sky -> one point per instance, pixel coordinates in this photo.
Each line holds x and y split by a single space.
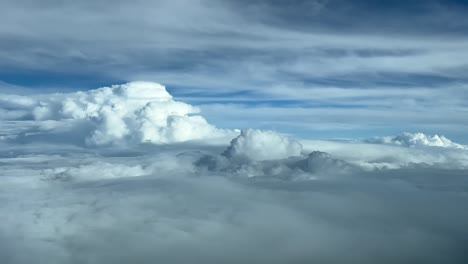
203 131
313 69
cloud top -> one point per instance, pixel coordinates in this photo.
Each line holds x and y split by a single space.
417 139
258 145
135 112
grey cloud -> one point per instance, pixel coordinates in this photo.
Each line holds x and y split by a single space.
415 17
175 214
118 34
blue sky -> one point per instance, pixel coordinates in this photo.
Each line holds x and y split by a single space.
315 69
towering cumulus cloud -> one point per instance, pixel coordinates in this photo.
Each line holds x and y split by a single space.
262 145
136 112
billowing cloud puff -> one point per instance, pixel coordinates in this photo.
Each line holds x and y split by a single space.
136 112
262 145
417 139
315 165
256 153
318 162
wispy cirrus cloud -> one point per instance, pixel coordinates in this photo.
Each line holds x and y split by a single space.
361 54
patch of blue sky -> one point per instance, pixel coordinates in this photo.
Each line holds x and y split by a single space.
50 81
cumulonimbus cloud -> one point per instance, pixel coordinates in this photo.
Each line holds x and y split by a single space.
135 111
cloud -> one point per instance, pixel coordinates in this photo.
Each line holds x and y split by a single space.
145 203
417 139
371 156
256 153
94 171
316 165
132 112
262 145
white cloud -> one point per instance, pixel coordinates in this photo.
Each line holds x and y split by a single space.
132 112
94 171
372 156
417 139
262 145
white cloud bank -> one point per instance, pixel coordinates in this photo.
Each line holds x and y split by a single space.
135 112
417 139
94 171
262 145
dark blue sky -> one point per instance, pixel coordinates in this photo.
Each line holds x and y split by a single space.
311 68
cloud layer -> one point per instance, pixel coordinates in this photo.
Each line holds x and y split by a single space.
127 174
149 203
